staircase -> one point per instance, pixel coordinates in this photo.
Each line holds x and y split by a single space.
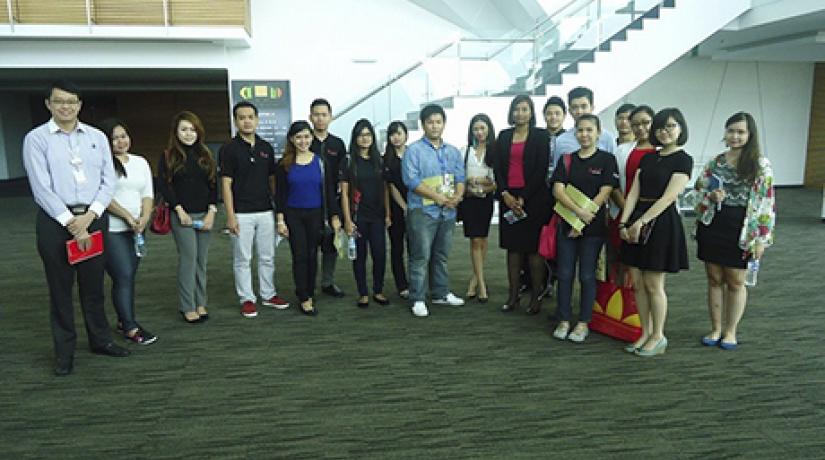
604 54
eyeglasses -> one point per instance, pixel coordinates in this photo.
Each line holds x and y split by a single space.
638 124
670 127
365 135
64 101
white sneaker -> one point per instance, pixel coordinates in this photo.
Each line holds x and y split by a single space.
561 331
579 334
449 299
419 308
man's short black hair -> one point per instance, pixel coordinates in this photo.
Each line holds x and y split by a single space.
624 108
430 110
580 91
320 101
243 104
64 85
554 100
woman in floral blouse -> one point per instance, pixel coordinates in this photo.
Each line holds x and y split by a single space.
735 212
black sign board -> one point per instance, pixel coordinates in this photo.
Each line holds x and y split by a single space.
272 98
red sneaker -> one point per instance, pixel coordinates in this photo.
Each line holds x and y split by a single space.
276 302
248 309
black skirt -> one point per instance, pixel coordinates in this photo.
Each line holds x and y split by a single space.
523 236
666 248
718 243
476 214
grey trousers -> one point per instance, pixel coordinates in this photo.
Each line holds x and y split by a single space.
193 251
329 257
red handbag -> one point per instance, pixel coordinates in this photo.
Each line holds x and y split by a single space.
614 312
547 238
161 221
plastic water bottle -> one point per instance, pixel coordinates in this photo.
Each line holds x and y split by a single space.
752 272
140 245
197 224
352 249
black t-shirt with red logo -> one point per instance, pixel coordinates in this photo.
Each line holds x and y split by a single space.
589 175
334 153
250 168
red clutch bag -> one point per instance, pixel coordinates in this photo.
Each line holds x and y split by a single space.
74 253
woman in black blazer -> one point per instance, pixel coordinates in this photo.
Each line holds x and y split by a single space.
521 168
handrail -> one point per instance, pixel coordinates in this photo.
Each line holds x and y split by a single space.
394 79
531 36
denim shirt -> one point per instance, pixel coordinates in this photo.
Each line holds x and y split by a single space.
423 160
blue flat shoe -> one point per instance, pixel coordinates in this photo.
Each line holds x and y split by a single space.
708 342
727 345
657 350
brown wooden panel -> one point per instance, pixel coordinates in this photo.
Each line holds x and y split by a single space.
214 12
128 12
50 11
149 116
815 159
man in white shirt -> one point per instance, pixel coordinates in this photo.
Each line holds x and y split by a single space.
69 165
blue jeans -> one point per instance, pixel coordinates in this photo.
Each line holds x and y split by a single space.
122 264
374 235
430 241
586 250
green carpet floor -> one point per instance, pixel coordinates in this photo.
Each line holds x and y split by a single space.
467 382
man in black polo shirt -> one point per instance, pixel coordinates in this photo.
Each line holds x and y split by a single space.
247 180
333 151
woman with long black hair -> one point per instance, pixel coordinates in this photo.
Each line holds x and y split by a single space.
477 208
736 217
393 154
522 159
129 213
301 197
365 208
187 176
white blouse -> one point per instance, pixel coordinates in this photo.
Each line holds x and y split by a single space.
130 191
476 168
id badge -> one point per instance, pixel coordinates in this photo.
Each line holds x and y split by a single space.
447 184
79 176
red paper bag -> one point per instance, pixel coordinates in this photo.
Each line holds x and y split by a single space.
615 313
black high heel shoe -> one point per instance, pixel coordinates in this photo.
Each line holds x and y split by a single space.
509 306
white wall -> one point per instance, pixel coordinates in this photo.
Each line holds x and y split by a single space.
778 95
310 43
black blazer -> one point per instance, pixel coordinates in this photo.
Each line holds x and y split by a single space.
536 161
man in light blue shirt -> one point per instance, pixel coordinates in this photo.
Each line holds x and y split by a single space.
580 102
69 165
433 171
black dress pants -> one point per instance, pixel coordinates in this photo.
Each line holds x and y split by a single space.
51 245
304 238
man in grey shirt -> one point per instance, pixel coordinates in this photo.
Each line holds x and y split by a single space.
580 102
69 165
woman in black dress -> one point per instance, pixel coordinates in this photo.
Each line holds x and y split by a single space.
522 157
393 153
477 208
650 225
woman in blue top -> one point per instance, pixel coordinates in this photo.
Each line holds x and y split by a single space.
299 201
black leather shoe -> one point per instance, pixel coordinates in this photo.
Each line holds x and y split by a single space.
63 366
110 349
333 290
